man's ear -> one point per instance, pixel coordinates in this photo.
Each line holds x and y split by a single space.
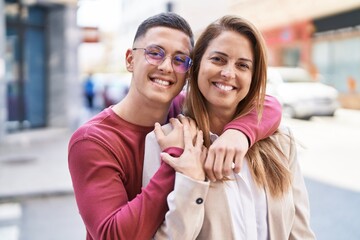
129 59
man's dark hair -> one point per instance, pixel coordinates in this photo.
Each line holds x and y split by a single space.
170 20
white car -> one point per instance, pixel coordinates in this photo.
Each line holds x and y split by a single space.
300 95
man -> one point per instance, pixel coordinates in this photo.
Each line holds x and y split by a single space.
106 154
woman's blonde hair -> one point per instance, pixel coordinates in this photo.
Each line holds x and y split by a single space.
267 169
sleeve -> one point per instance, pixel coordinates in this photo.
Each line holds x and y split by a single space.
186 202
107 209
152 152
249 125
301 225
185 217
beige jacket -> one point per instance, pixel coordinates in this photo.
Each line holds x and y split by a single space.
187 218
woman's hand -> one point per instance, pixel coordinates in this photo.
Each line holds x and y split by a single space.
191 161
226 154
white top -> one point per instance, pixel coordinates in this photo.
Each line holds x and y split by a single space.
248 204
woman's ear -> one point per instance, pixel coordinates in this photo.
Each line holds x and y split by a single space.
129 59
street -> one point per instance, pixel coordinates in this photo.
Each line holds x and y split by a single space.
330 148
330 163
328 157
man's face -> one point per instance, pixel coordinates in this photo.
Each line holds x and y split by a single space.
157 84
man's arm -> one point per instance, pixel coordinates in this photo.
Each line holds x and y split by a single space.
255 130
227 152
103 201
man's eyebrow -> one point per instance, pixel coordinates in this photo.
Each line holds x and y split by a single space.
177 52
225 55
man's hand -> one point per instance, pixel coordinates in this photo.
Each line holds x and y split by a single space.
192 125
226 154
170 136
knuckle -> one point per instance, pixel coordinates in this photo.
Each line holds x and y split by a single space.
238 150
220 149
211 150
227 172
231 150
207 167
217 172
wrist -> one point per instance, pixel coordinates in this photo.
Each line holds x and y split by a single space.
198 177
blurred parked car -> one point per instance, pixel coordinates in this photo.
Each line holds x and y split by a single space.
110 88
300 95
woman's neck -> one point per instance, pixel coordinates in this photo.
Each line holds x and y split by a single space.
218 120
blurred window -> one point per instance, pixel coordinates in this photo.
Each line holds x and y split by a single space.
35 15
25 65
11 10
291 57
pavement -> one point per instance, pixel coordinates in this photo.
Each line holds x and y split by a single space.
34 163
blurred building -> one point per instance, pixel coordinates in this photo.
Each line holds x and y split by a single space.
38 64
322 36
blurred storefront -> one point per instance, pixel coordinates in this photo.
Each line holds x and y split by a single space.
336 54
322 36
329 47
38 65
290 45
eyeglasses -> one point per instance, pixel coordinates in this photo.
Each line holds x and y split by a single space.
155 55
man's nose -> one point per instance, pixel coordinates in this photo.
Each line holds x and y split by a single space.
166 64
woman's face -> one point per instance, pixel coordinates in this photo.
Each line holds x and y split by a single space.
226 71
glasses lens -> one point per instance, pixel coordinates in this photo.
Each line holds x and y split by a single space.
154 55
181 63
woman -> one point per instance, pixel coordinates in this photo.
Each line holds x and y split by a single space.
268 198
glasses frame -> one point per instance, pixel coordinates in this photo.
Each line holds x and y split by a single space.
157 62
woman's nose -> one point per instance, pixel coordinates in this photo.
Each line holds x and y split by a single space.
228 72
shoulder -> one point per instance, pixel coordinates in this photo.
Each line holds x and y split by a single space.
283 134
176 105
285 139
97 129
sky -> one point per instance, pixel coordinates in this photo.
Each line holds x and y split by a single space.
104 14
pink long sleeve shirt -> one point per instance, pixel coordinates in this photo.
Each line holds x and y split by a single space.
106 163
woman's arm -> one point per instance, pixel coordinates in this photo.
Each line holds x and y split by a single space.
186 202
186 209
